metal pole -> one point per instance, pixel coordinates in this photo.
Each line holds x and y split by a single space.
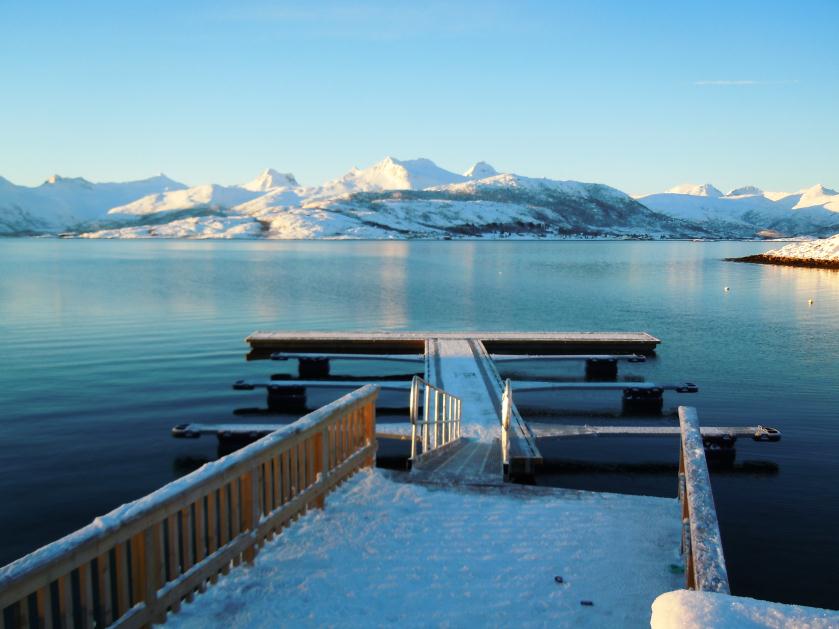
447 415
436 414
425 411
414 412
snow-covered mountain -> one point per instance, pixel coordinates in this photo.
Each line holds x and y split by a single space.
390 174
748 211
62 202
412 199
696 190
407 199
207 198
269 179
480 170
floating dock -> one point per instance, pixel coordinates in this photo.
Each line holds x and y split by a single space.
461 364
263 344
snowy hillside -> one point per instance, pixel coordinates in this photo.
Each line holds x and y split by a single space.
60 203
749 211
824 249
211 197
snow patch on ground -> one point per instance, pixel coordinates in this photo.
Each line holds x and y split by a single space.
711 610
823 249
387 552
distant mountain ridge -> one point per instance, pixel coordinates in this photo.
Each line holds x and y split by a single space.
414 198
748 211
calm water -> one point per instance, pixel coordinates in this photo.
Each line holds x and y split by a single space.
106 345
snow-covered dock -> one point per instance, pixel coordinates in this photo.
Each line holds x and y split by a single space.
265 343
448 542
388 552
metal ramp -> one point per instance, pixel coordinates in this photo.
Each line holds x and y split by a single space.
463 368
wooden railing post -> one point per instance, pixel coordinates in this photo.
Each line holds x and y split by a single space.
322 464
250 511
152 540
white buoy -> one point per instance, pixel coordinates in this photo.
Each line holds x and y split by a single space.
726 289
809 302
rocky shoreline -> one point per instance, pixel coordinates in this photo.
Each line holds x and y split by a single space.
813 263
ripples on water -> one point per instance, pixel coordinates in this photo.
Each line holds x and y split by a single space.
106 345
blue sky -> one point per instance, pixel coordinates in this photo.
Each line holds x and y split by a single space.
640 95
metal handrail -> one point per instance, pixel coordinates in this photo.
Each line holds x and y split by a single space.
440 423
506 413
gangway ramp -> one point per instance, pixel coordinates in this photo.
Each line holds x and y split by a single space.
463 368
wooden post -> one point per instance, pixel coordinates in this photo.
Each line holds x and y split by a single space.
85 594
321 466
284 457
138 568
22 610
200 530
311 468
65 601
121 579
43 598
250 509
186 538
275 464
292 461
106 606
153 577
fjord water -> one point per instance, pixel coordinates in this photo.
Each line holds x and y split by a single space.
106 345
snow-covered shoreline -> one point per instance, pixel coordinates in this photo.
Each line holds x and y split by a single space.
823 253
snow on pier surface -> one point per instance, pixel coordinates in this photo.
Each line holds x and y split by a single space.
711 610
454 367
389 552
825 249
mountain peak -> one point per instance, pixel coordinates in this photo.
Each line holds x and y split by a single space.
391 173
744 191
58 179
818 190
696 190
480 170
270 178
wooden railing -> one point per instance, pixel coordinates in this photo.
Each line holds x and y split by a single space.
440 423
701 541
144 558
